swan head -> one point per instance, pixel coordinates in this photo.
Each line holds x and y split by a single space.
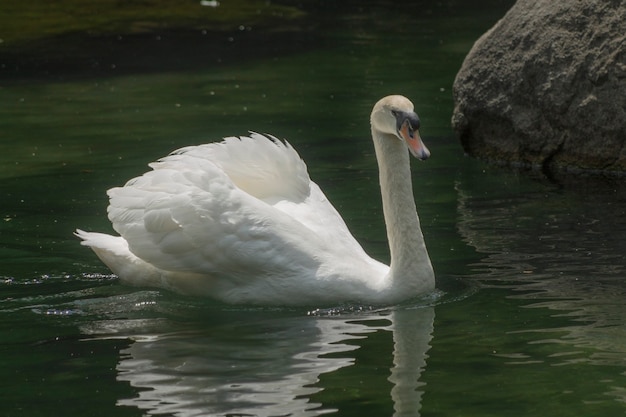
395 116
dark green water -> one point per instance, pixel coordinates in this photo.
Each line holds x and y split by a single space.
529 318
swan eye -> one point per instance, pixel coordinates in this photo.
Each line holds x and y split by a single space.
414 121
411 131
410 119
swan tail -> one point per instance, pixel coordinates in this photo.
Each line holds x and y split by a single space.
113 251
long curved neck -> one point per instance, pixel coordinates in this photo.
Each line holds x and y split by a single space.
410 265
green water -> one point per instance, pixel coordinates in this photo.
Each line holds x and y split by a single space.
529 318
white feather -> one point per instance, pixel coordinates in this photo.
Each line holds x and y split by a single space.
242 222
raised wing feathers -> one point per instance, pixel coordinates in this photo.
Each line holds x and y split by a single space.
203 210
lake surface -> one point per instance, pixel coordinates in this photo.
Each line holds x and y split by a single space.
529 317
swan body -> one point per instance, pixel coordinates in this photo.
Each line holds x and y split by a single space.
242 222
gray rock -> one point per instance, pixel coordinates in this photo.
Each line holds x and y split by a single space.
546 88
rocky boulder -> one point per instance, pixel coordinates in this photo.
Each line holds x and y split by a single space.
546 88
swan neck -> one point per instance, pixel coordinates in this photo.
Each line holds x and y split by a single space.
409 258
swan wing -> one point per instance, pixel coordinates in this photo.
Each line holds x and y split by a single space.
241 208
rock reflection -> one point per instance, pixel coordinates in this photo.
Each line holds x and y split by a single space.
556 250
262 367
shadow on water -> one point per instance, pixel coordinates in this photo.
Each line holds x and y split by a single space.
142 43
72 56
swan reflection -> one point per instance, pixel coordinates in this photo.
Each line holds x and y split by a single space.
265 367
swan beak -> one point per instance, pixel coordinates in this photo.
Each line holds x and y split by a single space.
413 140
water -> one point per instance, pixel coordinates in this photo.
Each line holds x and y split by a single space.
529 318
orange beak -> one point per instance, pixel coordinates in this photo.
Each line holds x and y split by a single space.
414 141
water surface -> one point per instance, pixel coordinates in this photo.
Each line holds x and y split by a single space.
528 318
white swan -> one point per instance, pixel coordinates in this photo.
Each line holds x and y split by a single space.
240 221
